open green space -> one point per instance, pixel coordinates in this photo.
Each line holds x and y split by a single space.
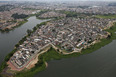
106 16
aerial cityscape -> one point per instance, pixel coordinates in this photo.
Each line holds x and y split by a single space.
53 38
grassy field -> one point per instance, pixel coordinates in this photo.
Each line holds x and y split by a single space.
53 55
106 16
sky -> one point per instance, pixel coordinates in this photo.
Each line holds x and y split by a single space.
57 0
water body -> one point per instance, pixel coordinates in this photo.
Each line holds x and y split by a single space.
101 63
10 39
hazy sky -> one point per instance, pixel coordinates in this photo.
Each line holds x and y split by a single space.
57 0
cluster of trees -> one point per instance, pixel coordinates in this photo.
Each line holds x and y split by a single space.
70 14
41 12
29 32
75 14
83 7
19 16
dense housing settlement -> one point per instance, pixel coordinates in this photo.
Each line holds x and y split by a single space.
8 9
8 21
71 33
68 35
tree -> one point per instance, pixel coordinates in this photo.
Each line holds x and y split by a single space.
17 45
35 28
29 31
109 36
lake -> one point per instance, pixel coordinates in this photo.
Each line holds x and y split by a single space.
100 63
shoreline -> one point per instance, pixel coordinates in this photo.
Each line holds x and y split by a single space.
84 51
19 24
12 28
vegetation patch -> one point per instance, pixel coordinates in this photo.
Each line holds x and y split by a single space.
106 16
41 12
19 16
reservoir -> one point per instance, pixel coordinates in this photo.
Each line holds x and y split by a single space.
10 39
100 63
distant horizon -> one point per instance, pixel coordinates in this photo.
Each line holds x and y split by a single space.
61 0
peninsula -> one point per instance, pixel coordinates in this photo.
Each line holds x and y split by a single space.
70 33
